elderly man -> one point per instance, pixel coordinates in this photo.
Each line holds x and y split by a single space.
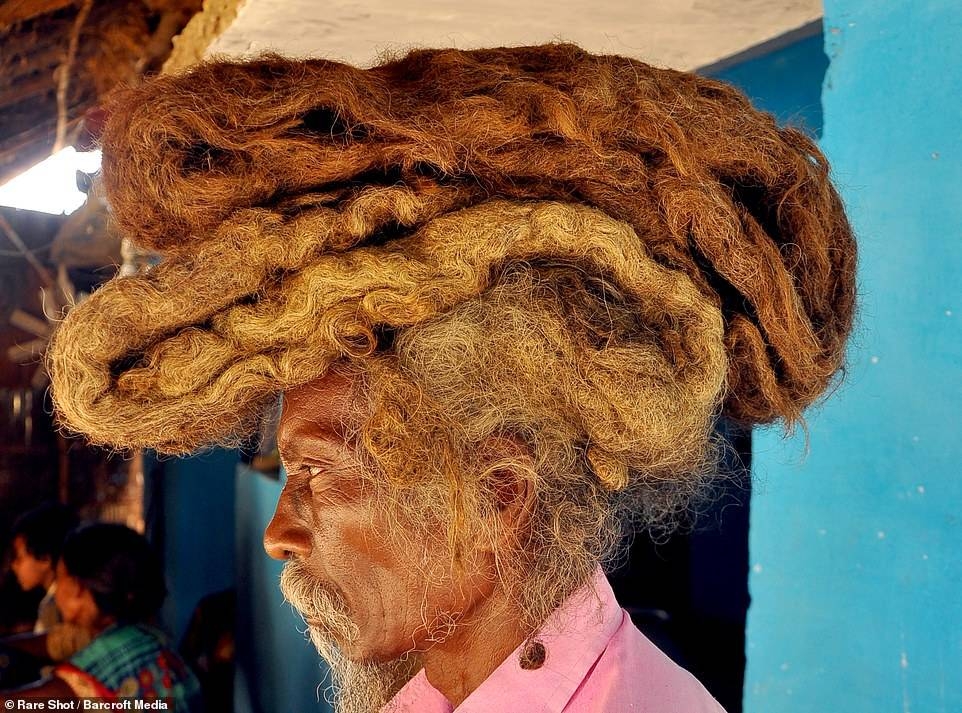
506 295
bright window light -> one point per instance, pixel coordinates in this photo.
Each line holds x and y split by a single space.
51 185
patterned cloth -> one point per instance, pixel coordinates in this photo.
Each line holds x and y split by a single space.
132 661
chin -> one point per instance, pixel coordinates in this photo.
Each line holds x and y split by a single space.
363 681
354 649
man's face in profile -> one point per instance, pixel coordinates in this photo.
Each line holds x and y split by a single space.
351 569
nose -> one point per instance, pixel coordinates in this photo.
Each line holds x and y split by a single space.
287 533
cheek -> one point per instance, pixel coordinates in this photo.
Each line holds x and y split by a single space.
363 565
28 573
437 592
419 599
375 578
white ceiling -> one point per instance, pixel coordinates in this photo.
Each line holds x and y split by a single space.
685 34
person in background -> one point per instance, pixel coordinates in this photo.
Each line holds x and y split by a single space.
38 535
109 581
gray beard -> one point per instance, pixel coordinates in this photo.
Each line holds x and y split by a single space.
355 687
363 687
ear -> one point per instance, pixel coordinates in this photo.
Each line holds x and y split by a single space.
509 478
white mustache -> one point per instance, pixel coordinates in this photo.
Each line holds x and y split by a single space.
322 608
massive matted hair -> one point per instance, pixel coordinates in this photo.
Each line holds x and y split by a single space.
579 249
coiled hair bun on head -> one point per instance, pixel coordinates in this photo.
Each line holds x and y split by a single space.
304 207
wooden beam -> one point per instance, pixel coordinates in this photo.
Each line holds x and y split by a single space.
27 351
28 323
31 91
44 122
13 11
25 148
14 71
26 90
28 56
30 147
13 237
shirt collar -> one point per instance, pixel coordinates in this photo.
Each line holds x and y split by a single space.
574 636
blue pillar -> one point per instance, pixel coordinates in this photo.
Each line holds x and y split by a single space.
856 575
277 667
197 506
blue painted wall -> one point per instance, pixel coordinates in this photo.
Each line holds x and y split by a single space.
787 82
277 667
857 578
212 513
197 499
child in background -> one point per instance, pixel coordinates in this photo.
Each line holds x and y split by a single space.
110 582
38 536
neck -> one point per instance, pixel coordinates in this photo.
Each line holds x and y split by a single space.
482 640
49 579
101 624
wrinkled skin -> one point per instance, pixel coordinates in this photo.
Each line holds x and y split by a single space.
398 598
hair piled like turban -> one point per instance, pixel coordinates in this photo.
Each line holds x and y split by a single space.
306 209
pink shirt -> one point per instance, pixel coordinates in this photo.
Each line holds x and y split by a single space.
597 662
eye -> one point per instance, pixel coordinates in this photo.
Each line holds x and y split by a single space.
314 470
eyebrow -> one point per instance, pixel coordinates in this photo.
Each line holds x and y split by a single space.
322 445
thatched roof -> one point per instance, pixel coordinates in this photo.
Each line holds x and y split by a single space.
59 57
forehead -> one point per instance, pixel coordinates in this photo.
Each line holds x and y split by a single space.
321 407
